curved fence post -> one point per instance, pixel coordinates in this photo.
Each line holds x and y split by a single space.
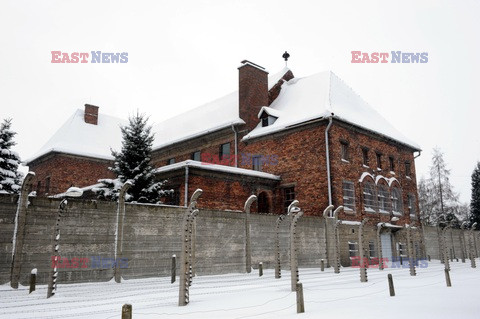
53 277
185 254
411 260
379 245
278 267
361 248
19 231
336 250
295 212
326 214
248 248
119 230
471 245
445 247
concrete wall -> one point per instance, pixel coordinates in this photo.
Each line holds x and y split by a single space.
152 234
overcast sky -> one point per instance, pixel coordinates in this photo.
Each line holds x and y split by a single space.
185 53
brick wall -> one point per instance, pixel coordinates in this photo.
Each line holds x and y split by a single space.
65 171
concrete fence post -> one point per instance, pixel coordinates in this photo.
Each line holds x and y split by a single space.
260 269
322 265
445 247
278 266
379 246
390 285
248 248
174 269
471 246
300 300
411 259
19 231
336 250
462 242
33 280
127 311
447 277
326 214
361 249
119 230
53 277
295 212
185 253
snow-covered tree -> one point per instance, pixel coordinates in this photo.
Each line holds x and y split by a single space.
133 163
438 202
475 202
10 177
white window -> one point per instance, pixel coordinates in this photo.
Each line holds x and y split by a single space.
411 206
402 250
397 201
369 197
384 203
371 249
345 152
352 249
348 196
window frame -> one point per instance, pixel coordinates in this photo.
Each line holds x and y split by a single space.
373 208
171 161
345 150
408 169
399 200
365 159
379 155
257 163
391 163
199 156
289 196
221 152
346 206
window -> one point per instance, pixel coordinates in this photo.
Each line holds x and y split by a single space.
391 161
257 164
379 160
365 156
289 196
407 169
402 250
369 197
348 196
171 161
265 121
263 205
411 206
371 249
173 198
224 151
196 156
384 204
352 249
47 185
345 155
397 200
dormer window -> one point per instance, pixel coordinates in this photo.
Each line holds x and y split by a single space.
267 116
267 119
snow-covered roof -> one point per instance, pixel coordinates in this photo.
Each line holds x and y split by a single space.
318 96
300 100
80 138
217 168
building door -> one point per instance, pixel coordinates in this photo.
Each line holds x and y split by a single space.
386 240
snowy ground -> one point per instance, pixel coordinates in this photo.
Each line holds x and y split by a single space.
327 295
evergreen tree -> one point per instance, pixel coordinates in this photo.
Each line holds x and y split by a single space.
475 202
133 163
438 202
10 177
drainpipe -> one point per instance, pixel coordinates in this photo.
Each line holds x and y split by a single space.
327 151
186 186
236 158
419 153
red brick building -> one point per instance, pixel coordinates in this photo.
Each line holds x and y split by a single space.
278 137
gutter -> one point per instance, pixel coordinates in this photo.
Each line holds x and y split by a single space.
236 145
327 153
186 186
419 153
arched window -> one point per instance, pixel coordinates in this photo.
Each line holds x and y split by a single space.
397 201
384 204
263 204
369 197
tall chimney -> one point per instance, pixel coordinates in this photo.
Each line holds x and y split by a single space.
91 114
252 92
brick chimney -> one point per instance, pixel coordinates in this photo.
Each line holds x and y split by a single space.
91 114
252 92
